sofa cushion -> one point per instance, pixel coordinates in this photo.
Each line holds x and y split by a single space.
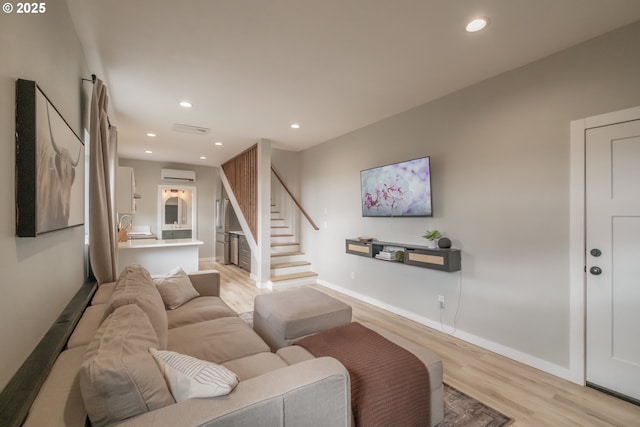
86 328
199 310
103 293
119 378
135 286
59 402
175 288
217 341
255 365
189 377
294 354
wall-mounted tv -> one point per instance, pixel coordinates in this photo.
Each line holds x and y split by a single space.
400 189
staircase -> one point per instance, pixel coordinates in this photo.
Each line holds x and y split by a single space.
289 266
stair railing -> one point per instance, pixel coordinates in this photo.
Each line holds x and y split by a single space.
306 215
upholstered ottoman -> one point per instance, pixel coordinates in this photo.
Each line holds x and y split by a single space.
282 317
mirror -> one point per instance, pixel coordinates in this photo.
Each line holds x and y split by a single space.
177 212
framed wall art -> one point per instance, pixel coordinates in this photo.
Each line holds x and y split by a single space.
49 166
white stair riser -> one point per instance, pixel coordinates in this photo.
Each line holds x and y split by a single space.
295 282
290 270
287 248
287 258
282 239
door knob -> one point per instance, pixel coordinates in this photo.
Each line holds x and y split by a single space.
595 252
595 271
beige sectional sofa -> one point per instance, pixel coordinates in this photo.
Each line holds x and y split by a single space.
107 371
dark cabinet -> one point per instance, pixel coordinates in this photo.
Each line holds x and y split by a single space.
244 254
176 234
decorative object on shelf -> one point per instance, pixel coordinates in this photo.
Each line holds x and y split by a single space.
390 253
444 243
432 238
365 239
123 227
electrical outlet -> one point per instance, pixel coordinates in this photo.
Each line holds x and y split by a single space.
353 275
441 300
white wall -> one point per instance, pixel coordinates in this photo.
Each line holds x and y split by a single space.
500 171
39 275
147 176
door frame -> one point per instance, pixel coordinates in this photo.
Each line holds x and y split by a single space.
577 236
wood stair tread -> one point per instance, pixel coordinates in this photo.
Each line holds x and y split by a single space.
279 226
277 219
290 264
282 235
283 277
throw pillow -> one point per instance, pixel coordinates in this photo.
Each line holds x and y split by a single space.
189 377
135 286
175 288
119 379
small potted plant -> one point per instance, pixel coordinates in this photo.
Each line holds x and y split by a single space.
432 237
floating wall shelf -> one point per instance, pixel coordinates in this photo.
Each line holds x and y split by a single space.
419 256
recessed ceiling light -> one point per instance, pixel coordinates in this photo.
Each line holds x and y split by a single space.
148 151
477 24
295 126
218 143
203 158
185 104
151 134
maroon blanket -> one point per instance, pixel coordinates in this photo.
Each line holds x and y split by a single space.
389 385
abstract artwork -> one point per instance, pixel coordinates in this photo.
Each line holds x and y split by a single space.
49 166
400 189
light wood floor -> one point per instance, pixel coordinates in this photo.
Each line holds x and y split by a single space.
529 396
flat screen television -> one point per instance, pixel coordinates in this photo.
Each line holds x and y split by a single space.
397 190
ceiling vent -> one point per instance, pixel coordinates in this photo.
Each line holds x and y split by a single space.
193 130
177 175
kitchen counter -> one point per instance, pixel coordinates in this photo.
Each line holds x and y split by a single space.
160 256
153 243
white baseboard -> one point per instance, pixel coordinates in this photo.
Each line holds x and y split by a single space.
262 285
518 356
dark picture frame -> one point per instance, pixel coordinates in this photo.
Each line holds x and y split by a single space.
49 165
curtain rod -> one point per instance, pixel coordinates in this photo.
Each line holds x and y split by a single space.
93 79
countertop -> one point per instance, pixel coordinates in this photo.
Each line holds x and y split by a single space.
149 243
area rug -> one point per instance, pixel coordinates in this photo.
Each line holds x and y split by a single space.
460 410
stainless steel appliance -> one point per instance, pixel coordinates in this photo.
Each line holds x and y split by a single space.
222 247
234 248
222 231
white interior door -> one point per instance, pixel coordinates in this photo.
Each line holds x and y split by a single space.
613 257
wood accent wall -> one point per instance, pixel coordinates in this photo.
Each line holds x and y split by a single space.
242 174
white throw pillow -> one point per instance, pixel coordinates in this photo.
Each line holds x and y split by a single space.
189 377
175 288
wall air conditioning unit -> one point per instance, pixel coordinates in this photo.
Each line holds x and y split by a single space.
177 175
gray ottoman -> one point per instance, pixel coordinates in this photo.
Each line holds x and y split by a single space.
280 318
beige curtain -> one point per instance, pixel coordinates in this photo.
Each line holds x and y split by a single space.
102 165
